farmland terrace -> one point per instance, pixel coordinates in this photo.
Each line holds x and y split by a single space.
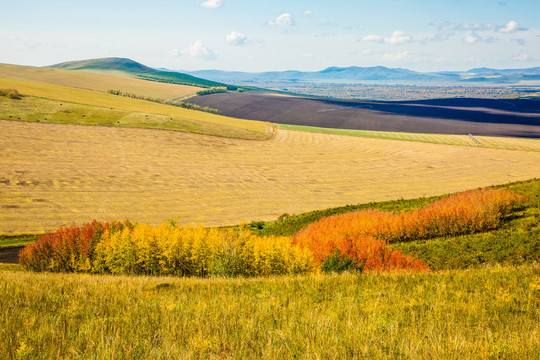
488 117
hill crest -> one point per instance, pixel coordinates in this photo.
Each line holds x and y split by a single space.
105 64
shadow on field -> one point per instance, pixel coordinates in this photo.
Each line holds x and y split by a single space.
488 117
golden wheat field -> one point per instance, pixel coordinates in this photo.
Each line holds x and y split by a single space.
55 174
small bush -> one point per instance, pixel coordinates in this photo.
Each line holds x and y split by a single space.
213 90
10 94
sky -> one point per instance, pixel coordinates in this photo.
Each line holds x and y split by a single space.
269 35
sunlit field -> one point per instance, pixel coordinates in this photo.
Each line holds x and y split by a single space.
56 174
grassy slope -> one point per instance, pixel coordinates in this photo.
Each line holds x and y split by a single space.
7 241
95 81
108 102
462 140
490 313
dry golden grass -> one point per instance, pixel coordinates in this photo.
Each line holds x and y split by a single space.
489 313
53 174
95 81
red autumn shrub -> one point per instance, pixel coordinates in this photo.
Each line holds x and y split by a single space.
66 249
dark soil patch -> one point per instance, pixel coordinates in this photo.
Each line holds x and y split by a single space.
10 255
488 117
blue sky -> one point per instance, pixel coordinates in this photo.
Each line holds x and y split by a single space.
264 35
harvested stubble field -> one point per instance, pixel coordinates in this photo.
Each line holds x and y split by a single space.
55 174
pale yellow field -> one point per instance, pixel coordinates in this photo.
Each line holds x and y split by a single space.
95 81
496 142
54 174
114 102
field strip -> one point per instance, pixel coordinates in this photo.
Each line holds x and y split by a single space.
495 142
97 98
55 174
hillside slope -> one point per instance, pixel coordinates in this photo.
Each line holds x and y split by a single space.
110 103
96 81
134 69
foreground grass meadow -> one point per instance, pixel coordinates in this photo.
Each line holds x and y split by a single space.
488 313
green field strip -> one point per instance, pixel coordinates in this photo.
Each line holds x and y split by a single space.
507 143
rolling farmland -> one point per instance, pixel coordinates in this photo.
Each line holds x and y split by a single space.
95 81
112 108
55 174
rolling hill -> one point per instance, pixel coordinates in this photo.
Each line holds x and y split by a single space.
96 81
132 68
79 97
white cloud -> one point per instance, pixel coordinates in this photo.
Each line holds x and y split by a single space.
398 37
470 39
448 26
371 37
511 27
199 50
521 57
308 12
404 55
284 19
173 52
520 42
212 4
307 55
367 52
474 38
236 38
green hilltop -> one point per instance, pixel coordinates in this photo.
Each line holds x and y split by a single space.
132 68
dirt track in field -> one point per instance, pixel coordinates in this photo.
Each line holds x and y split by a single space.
446 116
53 174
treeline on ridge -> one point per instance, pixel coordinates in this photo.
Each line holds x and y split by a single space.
168 102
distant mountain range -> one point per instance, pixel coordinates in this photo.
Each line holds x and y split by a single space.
207 78
377 73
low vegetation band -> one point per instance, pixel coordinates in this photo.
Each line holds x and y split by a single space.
355 241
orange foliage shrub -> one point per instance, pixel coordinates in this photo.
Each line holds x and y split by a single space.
363 235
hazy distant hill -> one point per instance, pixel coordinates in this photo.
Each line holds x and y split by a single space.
132 68
377 73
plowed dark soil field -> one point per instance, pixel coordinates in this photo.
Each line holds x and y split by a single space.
488 117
